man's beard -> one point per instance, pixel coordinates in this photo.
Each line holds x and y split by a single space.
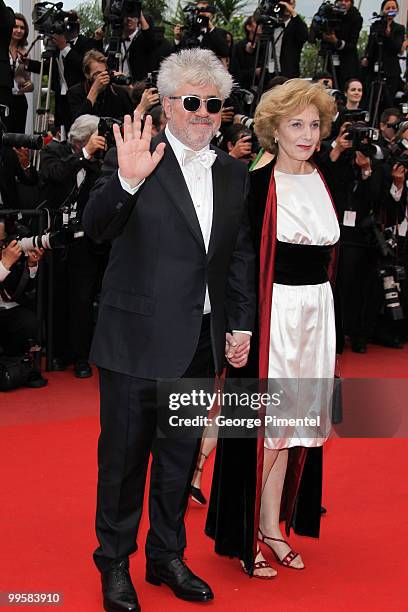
193 138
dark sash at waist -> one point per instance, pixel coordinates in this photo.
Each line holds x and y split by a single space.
301 264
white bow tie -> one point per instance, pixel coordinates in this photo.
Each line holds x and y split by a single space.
206 158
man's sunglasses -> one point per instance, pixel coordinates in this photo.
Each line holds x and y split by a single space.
193 103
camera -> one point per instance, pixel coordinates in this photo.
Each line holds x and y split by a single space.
399 152
379 24
391 277
49 19
105 129
327 18
116 10
362 136
151 80
196 23
27 242
270 13
119 79
9 139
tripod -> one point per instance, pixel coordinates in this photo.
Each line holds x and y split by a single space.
43 105
378 83
330 62
270 61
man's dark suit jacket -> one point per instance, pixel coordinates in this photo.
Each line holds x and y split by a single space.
58 174
11 175
113 102
293 39
73 62
140 50
152 297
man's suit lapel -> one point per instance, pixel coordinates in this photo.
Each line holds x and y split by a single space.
171 178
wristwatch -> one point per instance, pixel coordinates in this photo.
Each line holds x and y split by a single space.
366 173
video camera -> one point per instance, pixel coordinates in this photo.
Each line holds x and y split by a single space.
270 14
116 11
49 19
327 18
9 139
197 24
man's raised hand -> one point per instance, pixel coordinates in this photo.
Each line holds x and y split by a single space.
134 158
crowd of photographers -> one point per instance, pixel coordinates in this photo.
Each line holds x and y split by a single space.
94 81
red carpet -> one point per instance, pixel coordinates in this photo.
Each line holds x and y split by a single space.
48 443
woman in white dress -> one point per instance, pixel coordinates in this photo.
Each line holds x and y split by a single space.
295 230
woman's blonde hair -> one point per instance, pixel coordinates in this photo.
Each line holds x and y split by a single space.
285 100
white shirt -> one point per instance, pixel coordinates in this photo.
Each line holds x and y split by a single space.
200 186
60 63
125 44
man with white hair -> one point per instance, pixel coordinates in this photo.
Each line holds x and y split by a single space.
178 286
70 169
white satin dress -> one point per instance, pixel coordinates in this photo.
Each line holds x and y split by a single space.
302 349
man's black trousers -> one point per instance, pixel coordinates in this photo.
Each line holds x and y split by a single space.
128 436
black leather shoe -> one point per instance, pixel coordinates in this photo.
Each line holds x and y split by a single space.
118 592
197 495
82 369
181 580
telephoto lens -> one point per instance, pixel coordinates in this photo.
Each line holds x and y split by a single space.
9 139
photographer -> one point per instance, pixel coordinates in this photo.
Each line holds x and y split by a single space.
355 181
71 169
137 45
207 37
340 40
289 39
71 48
238 141
244 54
18 323
382 51
395 220
97 95
389 125
7 22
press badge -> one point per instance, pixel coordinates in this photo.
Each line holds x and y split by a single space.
349 218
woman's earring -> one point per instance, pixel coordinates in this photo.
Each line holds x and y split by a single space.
275 140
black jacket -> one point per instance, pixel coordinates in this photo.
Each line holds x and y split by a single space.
140 50
215 40
11 173
113 102
58 174
153 291
294 37
73 72
391 47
